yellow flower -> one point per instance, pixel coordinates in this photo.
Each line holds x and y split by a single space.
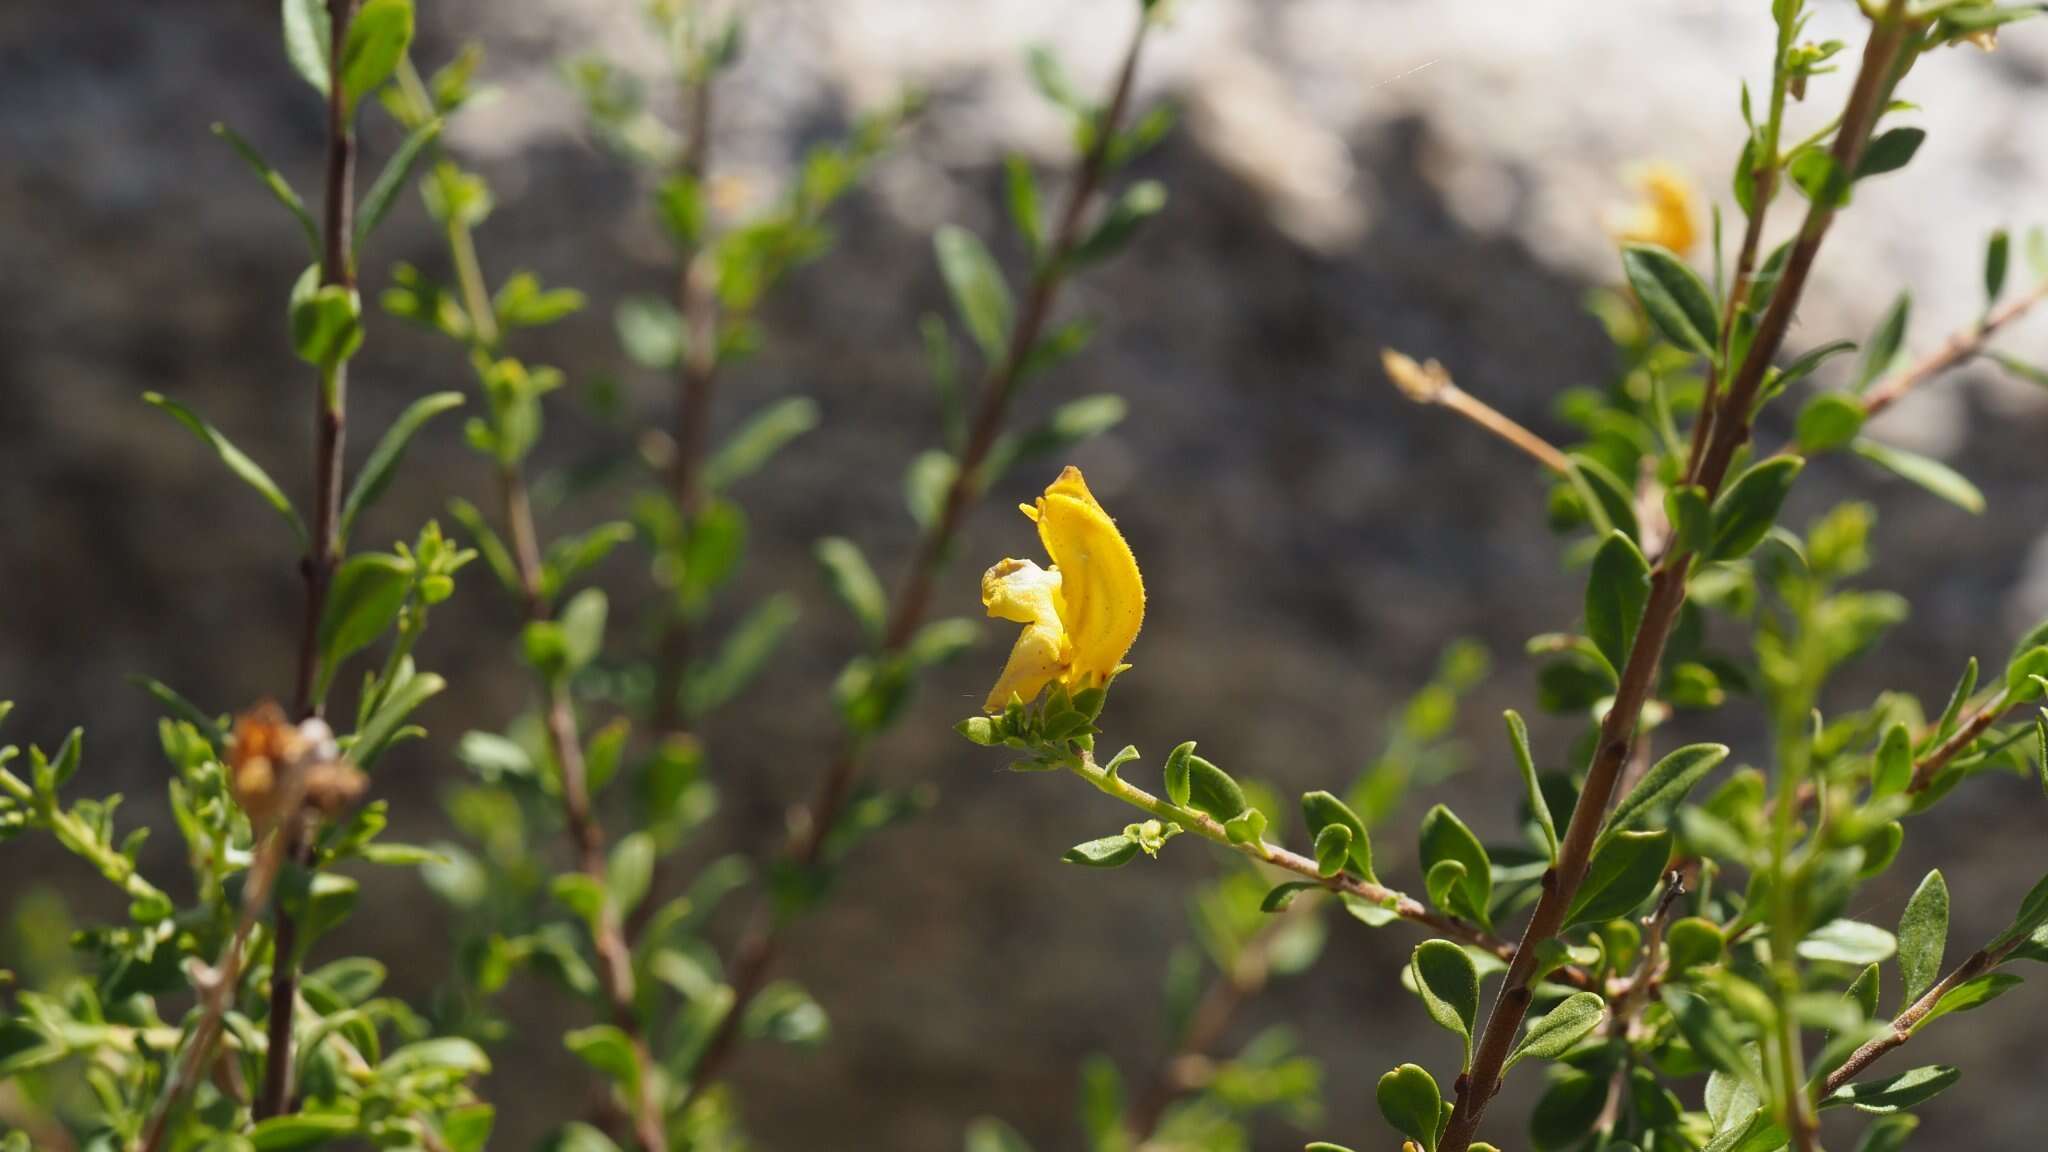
1081 615
1669 213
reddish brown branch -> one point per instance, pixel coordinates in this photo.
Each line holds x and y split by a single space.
1729 431
323 555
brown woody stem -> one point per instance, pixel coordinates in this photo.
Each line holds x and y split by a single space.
323 555
1729 431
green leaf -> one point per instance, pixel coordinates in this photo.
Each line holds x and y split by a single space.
1928 473
1848 942
1624 871
1673 296
582 621
2024 675
759 439
521 302
308 40
1885 342
445 1053
280 188
1895 1093
1332 849
1616 590
1449 983
1923 935
1970 994
1889 1133
1322 810
1711 1033
1997 257
941 640
989 1134
383 191
208 726
630 872
1211 790
1889 151
301 1130
1409 1100
249 472
377 40
610 1051
1138 203
1446 838
1566 1113
1108 852
1518 736
384 726
363 601
383 462
1666 784
854 582
979 291
651 331
1563 1026
1827 422
1819 178
745 652
1178 784
326 320
1610 503
1021 189
1892 770
2033 914
1692 942
1685 506
1746 510
925 485
1283 895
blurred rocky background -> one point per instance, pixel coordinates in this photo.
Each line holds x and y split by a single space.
1437 175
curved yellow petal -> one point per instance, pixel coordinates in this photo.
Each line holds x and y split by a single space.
1102 596
1669 212
1021 591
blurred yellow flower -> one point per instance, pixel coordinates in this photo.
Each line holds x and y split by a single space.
1081 615
1669 212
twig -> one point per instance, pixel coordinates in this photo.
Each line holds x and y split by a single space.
1399 903
337 267
1930 765
761 940
1901 1030
1730 430
1428 384
217 985
697 301
1960 347
608 937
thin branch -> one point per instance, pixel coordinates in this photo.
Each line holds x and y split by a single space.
1929 766
1428 384
1731 429
1399 903
697 302
608 938
759 943
217 985
1901 1030
337 267
1960 347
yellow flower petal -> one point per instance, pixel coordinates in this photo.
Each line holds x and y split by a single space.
1102 596
1021 591
1669 213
